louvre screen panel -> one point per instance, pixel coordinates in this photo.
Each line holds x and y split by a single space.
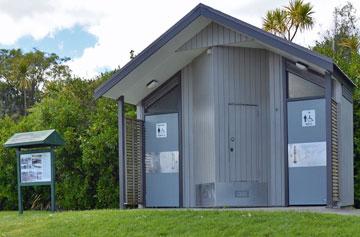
335 152
134 154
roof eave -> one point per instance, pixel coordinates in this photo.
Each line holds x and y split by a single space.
148 51
340 74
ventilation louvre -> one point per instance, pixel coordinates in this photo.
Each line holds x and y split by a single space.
133 163
335 152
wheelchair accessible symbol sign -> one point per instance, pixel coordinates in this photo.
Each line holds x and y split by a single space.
308 118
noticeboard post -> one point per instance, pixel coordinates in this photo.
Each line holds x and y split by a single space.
35 161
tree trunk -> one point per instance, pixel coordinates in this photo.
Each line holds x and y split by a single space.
25 105
296 29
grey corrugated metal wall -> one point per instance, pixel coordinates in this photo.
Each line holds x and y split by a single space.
203 118
212 35
346 159
187 138
241 77
198 126
277 140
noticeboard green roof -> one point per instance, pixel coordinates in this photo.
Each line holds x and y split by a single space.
35 139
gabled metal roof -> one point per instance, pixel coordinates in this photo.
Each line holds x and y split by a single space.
35 139
202 10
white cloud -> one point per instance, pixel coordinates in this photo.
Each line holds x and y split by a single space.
40 18
124 25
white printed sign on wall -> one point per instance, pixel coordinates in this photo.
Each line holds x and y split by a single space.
308 118
161 130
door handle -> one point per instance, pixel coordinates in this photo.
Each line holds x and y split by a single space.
231 149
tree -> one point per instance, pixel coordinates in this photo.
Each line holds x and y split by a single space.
342 42
27 73
289 21
10 100
343 39
351 42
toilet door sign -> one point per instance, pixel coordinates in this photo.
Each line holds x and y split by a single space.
308 118
161 130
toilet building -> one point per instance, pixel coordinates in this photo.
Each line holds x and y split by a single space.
229 115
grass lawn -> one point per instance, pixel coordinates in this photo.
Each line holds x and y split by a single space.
176 223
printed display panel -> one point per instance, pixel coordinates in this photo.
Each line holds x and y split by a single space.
35 167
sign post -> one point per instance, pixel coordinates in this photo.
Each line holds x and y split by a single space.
53 193
20 206
35 161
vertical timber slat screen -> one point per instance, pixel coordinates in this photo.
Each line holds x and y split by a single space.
335 152
133 162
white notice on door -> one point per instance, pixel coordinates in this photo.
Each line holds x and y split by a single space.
308 118
161 130
307 154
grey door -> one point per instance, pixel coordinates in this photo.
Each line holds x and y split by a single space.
307 152
243 142
162 160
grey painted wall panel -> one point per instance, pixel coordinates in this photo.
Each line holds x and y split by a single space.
212 35
346 157
277 143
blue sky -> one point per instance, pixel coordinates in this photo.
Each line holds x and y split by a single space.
65 43
99 34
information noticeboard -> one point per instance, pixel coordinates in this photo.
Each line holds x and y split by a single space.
35 160
35 167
